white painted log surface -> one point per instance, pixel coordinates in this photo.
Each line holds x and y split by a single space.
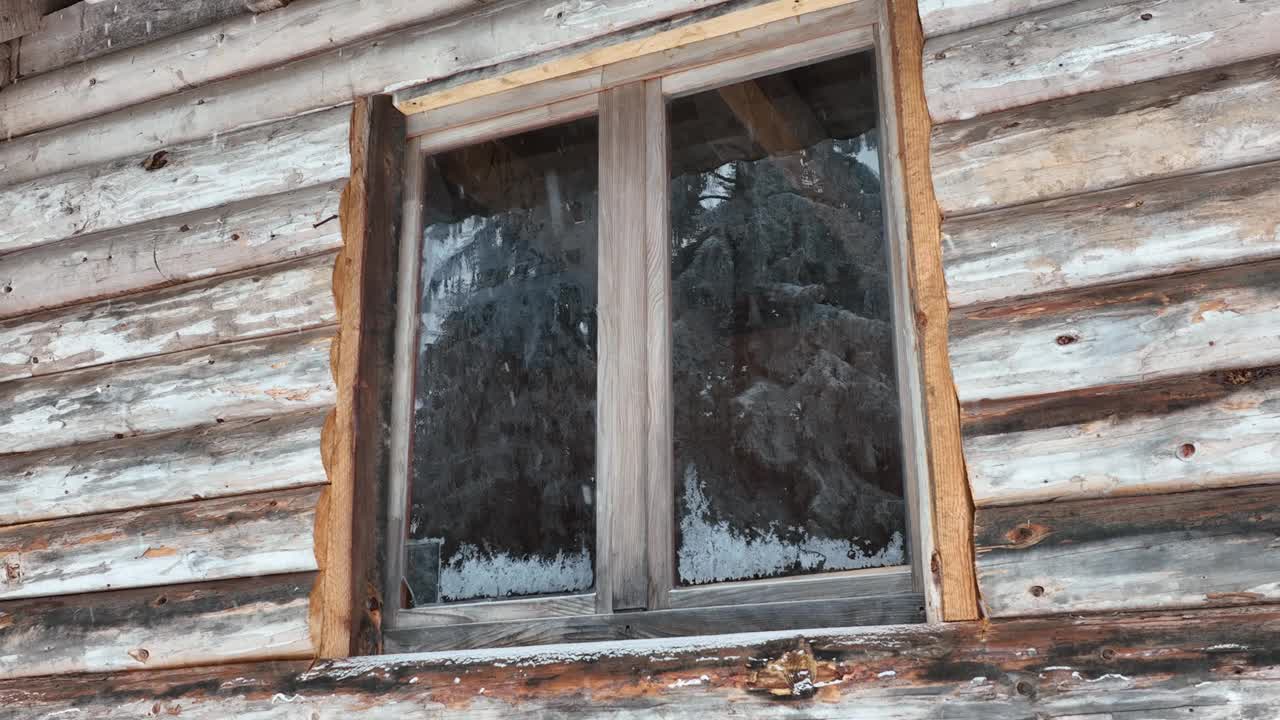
1138 448
254 378
1204 121
1182 224
498 33
297 153
1090 45
1182 325
940 17
225 459
189 625
244 235
246 536
266 301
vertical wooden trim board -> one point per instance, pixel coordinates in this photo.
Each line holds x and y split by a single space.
953 557
350 522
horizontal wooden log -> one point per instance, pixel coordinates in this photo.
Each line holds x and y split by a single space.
1118 335
939 17
1160 228
1087 46
297 153
86 30
1199 122
1220 666
495 34
223 459
244 536
178 626
1187 433
254 378
267 301
243 235
1201 549
903 609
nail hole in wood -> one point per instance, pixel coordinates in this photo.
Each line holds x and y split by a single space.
1024 688
119 436
1066 339
8 289
156 160
1145 16
1037 591
1108 654
140 654
1186 450
185 227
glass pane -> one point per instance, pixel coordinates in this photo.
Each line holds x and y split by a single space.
787 446
504 413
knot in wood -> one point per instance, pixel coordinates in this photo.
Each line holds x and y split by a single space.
1026 534
792 676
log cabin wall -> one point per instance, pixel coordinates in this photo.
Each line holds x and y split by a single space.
1107 173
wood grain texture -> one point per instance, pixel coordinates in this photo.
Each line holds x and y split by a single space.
1220 665
882 610
180 626
1087 46
622 414
264 302
952 561
254 378
17 18
550 606
864 584
224 459
486 40
275 158
243 235
353 521
1139 332
246 536
940 17
88 29
1198 122
1170 226
1221 429
1200 549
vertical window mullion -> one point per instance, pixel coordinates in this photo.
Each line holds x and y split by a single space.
622 405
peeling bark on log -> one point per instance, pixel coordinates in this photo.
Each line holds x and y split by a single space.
1141 332
216 461
1200 549
1210 120
246 536
268 301
275 158
940 17
254 378
1220 665
244 235
165 627
1088 46
1183 224
1217 430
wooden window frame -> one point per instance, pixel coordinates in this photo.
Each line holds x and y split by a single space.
766 39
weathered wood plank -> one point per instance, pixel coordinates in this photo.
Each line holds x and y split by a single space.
947 16
203 624
1220 665
495 34
1140 332
254 378
86 30
1218 430
1087 46
850 584
17 17
882 610
268 301
271 159
244 235
245 536
1199 122
223 459
1200 549
1182 224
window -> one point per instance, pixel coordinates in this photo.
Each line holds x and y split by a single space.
651 363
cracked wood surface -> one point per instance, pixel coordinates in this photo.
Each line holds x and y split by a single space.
940 17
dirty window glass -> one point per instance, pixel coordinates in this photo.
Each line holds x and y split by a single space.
787 442
504 414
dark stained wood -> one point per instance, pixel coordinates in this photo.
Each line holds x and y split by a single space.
880 610
355 444
1150 667
1199 549
177 626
